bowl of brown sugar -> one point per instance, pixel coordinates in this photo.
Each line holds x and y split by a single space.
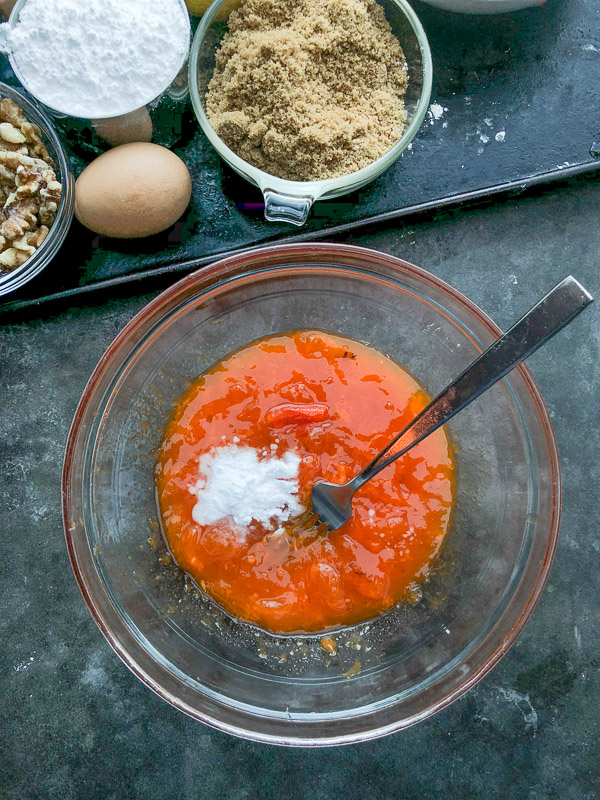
310 99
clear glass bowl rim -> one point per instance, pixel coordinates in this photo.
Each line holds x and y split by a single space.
16 278
313 189
112 363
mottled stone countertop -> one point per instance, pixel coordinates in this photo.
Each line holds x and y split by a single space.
75 723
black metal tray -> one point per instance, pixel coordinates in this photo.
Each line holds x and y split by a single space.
519 96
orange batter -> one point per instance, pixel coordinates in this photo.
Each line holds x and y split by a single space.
335 403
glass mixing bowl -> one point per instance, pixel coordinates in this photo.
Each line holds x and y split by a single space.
400 667
291 201
13 280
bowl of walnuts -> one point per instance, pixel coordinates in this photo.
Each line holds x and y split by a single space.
37 191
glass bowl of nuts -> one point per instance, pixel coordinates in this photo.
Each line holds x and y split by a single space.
37 190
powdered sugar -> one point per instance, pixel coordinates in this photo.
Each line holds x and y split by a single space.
436 110
99 58
234 482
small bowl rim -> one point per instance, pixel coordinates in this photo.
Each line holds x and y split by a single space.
16 278
329 186
203 279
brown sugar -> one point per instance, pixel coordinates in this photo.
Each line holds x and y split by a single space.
308 89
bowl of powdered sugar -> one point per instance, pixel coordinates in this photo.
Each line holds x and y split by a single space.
310 100
100 59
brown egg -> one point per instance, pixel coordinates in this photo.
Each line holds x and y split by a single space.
132 191
136 126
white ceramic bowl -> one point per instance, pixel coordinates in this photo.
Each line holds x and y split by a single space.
484 6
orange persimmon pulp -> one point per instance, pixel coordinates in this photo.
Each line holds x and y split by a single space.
335 403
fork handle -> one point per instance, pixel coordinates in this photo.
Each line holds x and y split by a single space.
552 313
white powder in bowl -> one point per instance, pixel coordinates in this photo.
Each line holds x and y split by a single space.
236 483
99 58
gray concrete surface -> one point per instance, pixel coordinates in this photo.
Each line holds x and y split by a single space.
74 723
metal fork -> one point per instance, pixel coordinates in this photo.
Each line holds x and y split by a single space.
332 502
